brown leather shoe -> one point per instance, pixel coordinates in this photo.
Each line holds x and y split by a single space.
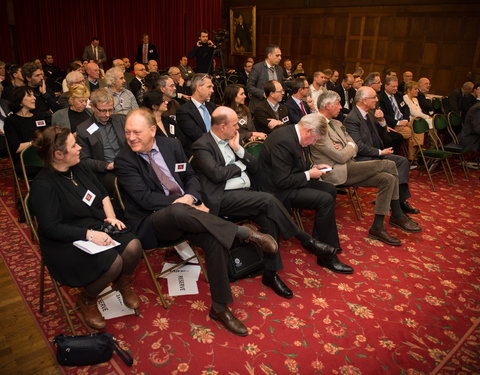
383 236
404 223
124 286
229 321
264 242
89 309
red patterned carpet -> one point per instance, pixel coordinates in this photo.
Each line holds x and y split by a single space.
401 312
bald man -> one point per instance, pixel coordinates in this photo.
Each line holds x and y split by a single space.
425 103
119 63
93 80
139 81
226 171
462 98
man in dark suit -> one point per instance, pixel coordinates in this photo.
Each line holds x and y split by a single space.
101 138
338 150
299 103
138 82
203 53
362 126
425 103
407 77
397 115
4 112
461 99
263 72
245 72
469 137
163 203
146 51
346 92
226 171
95 53
194 117
271 114
286 173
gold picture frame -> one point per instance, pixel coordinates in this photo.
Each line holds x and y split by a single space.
243 33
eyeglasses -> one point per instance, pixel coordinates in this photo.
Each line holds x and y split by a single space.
279 91
107 110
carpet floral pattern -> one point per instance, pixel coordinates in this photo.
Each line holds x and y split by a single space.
401 312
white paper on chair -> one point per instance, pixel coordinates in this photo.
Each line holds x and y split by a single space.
181 285
112 306
189 270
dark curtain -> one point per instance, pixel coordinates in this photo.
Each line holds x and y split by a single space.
63 27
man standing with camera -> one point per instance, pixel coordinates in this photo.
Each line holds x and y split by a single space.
203 53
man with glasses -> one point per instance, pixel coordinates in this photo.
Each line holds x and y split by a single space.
263 72
300 103
139 81
101 138
288 174
182 90
93 81
271 114
362 124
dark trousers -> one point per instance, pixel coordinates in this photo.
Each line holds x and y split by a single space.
265 210
213 234
319 196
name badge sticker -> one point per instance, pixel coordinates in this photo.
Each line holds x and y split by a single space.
402 104
180 167
173 117
242 121
121 102
172 129
40 123
285 119
92 129
88 198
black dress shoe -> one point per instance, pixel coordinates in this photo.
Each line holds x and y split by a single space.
319 248
278 286
406 208
405 223
229 321
263 241
333 264
382 235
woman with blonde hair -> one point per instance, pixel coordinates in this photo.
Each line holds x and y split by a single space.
77 112
410 97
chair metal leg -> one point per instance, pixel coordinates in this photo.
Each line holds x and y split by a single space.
154 280
64 306
298 218
202 266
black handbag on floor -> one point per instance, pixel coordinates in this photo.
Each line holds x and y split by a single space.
244 260
88 350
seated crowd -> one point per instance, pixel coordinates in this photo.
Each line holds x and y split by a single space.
182 166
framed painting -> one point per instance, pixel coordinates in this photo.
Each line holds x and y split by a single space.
243 30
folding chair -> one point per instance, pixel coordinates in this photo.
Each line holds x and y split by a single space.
353 199
163 246
17 189
29 158
432 154
441 123
254 147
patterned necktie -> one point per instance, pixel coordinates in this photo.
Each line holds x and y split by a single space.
95 53
145 53
398 114
347 104
171 186
302 107
206 117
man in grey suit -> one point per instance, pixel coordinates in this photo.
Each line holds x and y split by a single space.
362 124
101 138
263 72
95 53
338 150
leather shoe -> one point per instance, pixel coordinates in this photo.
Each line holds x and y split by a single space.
319 248
405 224
406 208
124 286
89 309
278 286
264 242
229 321
333 264
382 235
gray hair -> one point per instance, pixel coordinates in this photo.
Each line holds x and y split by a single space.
361 94
328 97
312 121
73 77
162 82
370 78
390 79
171 69
198 79
101 96
111 75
